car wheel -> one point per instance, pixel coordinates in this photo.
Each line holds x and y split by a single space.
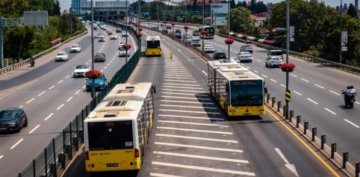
26 122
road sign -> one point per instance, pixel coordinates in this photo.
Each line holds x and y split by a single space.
287 95
35 18
171 55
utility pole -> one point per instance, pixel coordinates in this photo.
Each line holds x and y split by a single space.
2 20
126 37
203 36
70 20
92 48
229 30
340 51
287 53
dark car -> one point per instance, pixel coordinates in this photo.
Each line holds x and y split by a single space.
246 48
118 30
178 33
196 33
165 31
99 83
219 54
100 57
12 119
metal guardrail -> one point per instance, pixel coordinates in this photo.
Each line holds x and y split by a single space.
347 68
57 156
27 61
340 157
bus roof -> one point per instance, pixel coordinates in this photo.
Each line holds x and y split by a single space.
223 62
115 110
130 90
237 73
153 38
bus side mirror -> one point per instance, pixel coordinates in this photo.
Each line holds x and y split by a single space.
265 90
227 88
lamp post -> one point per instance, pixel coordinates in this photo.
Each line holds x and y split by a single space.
340 53
92 49
126 36
287 52
229 30
186 30
203 34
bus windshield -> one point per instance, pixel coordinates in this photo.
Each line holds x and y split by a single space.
247 93
153 44
110 135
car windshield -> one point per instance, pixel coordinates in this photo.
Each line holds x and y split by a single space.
122 42
276 53
61 53
8 114
99 54
122 49
246 93
220 51
75 45
81 67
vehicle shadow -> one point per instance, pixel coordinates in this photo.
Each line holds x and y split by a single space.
116 174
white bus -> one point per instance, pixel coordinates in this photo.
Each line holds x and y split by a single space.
153 46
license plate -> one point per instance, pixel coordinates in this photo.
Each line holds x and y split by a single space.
112 165
153 53
3 128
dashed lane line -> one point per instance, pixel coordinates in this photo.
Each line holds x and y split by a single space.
194 130
312 101
332 112
334 92
51 87
30 101
69 99
197 138
351 123
34 129
60 106
204 72
297 93
199 147
41 93
194 107
162 175
195 112
319 86
60 81
48 116
17 143
192 123
200 157
304 80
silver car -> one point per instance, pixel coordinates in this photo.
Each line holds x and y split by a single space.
273 61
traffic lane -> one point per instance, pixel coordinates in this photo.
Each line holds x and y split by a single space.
276 144
40 70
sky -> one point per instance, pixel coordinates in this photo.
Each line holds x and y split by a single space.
65 4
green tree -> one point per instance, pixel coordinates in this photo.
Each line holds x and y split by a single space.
240 21
13 8
352 11
47 5
57 9
232 4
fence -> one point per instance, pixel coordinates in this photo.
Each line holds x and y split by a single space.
27 61
339 156
61 150
299 55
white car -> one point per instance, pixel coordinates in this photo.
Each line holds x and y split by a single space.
196 42
187 38
102 39
113 37
121 44
273 61
75 48
244 57
80 71
62 56
209 49
123 52
124 34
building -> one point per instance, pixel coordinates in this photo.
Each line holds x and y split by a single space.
79 5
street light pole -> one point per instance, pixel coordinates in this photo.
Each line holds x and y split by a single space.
340 52
229 30
126 36
203 36
287 52
92 48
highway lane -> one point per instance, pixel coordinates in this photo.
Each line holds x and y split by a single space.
58 98
264 143
315 94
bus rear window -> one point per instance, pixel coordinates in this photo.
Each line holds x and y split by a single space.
110 135
153 44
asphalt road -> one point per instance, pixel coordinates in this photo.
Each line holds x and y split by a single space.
50 97
192 137
316 94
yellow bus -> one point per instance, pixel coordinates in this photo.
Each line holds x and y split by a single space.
153 46
210 32
142 91
238 91
116 133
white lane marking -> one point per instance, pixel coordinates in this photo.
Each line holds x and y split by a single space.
30 100
34 129
204 72
170 84
357 102
203 168
69 99
41 93
191 102
1 156
67 76
273 80
51 87
334 92
283 85
191 123
312 100
48 116
319 86
179 81
199 147
195 107
255 71
304 80
77 92
163 175
60 107
281 155
186 98
17 143
248 67
188 94
197 138
179 50
200 157
182 91
264 75
21 106
332 112
352 123
258 60
105 67
195 112
102 70
60 81
293 75
193 130
297 93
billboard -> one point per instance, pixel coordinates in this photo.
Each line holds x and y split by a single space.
344 41
218 13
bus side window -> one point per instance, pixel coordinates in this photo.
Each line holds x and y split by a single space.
227 87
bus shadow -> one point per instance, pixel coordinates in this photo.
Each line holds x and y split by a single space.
116 174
